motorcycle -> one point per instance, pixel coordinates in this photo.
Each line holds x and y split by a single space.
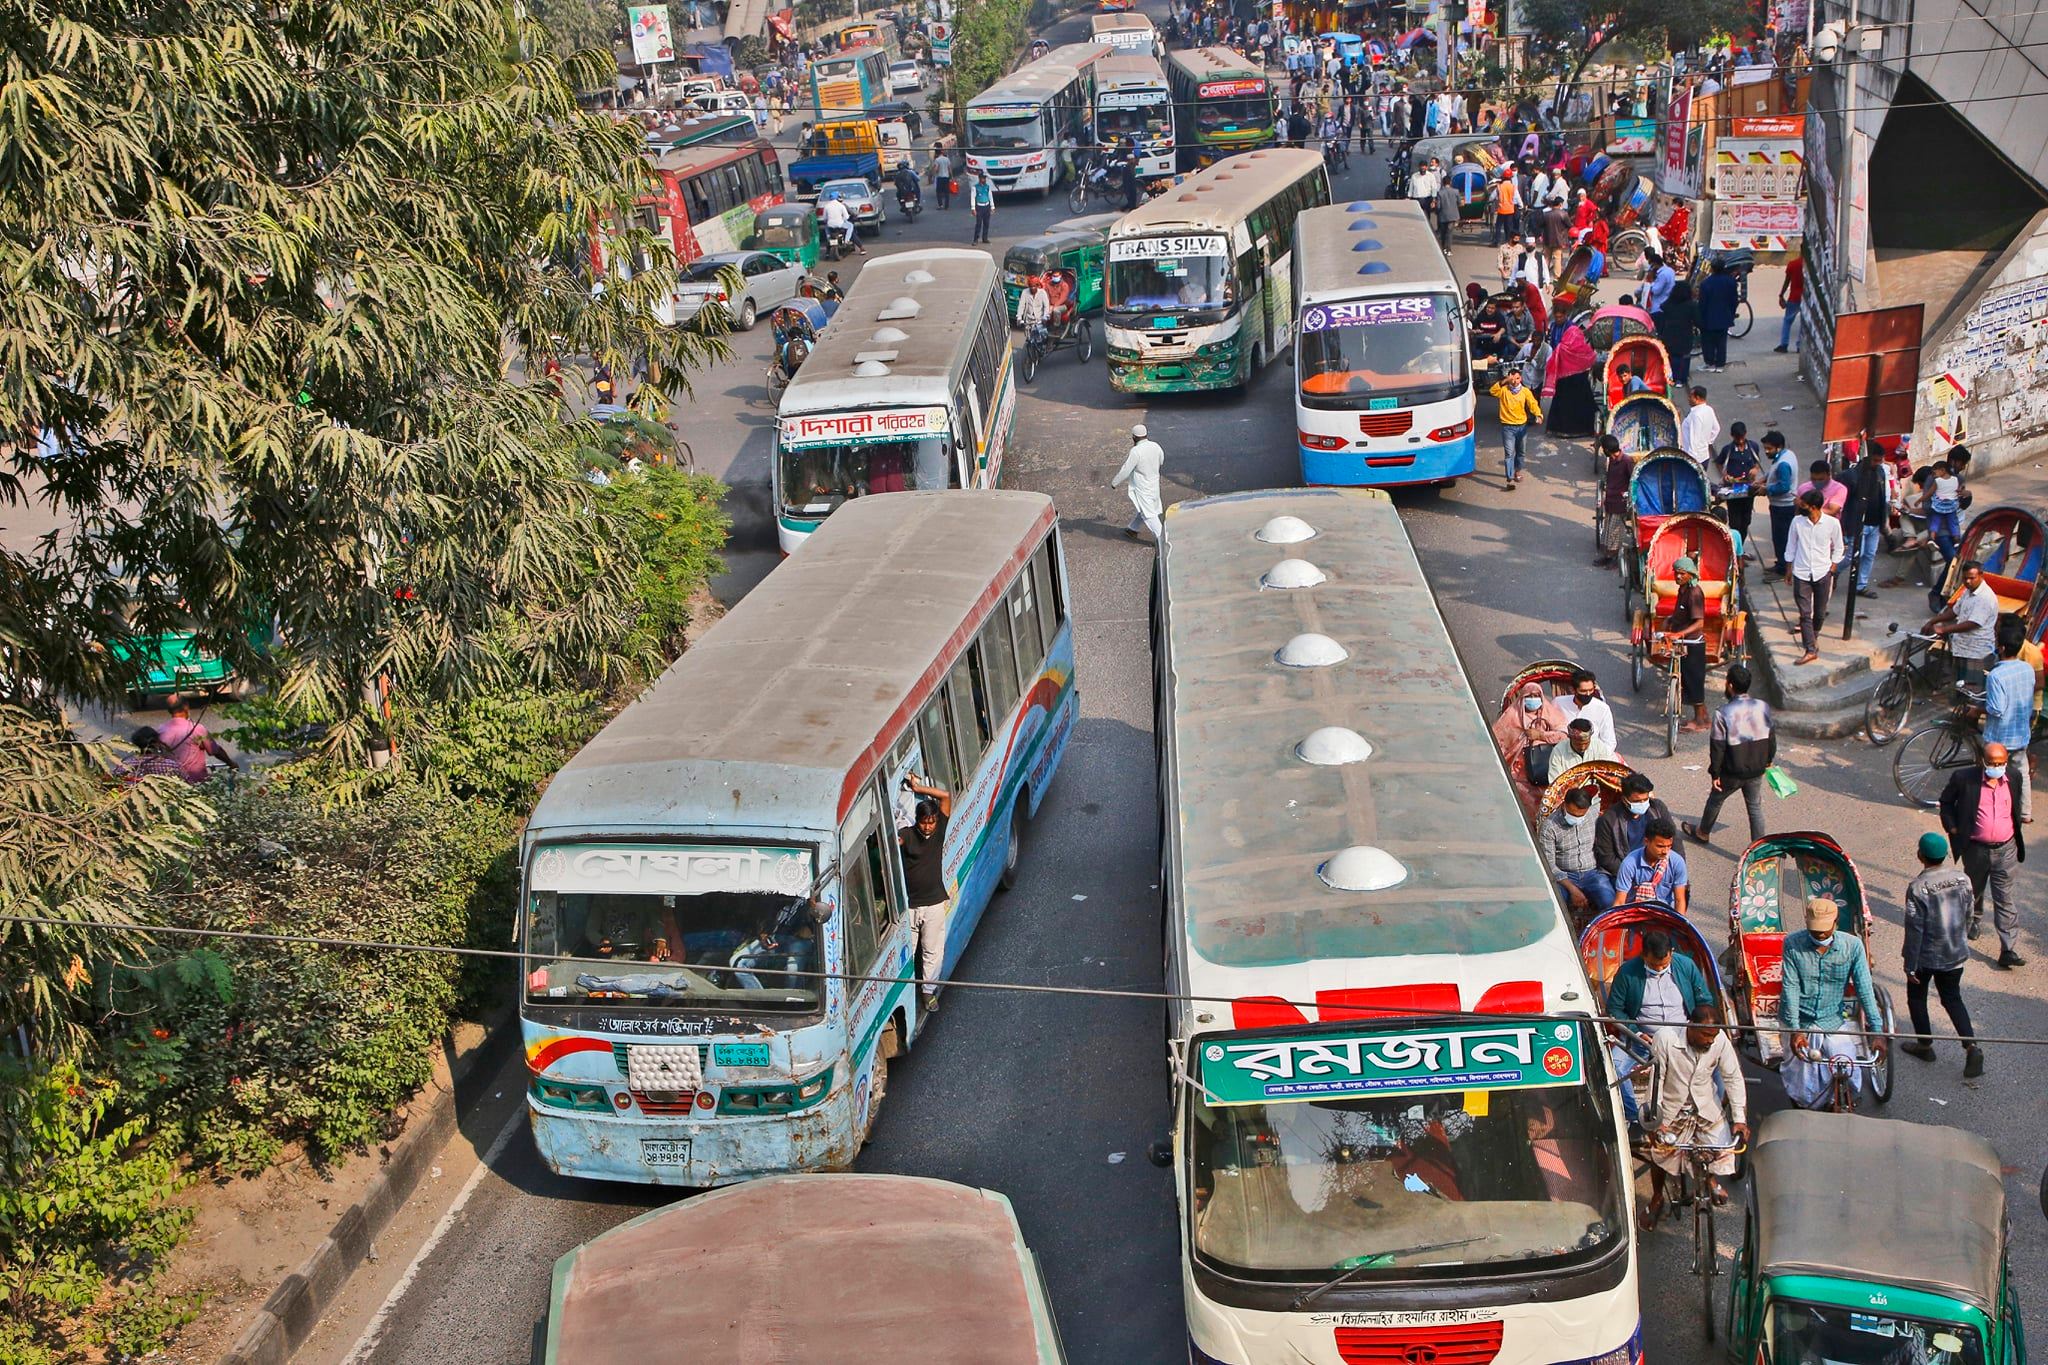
1100 179
909 204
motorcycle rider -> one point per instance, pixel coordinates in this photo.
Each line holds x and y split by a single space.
1127 157
908 191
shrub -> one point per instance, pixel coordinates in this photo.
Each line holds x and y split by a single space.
677 524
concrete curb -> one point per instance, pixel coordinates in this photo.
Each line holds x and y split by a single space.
296 1306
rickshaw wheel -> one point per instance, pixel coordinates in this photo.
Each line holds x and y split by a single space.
1635 665
1881 1075
1086 342
1029 362
1672 706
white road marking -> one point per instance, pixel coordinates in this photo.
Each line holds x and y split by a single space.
374 1333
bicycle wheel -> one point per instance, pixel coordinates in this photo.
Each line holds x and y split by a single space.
1745 318
1705 1251
1673 708
1077 197
1085 346
1635 666
686 460
1885 710
1881 1077
1030 361
1925 758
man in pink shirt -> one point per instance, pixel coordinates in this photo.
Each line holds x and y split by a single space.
186 742
1833 492
1978 811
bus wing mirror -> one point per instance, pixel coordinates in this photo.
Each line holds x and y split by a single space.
1160 1153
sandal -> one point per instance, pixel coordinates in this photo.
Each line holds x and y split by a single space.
1718 1192
1648 1214
1692 832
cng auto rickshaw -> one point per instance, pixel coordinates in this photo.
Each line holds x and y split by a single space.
788 232
1873 1240
1077 245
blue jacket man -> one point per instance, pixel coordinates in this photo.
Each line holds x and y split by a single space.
1625 995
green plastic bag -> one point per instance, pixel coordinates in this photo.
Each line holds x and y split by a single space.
1779 781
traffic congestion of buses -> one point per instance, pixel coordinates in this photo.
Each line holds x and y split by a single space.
1397 1133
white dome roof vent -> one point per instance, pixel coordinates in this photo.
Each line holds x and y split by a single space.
901 307
1311 651
919 276
889 336
870 369
1362 868
1293 573
1285 531
1333 746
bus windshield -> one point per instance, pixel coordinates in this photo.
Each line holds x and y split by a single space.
837 66
1006 132
1404 1183
1352 353
1849 1336
1237 114
1150 284
1138 120
817 478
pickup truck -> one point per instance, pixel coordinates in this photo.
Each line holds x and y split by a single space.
843 150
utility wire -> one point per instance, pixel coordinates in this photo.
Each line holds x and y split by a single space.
852 978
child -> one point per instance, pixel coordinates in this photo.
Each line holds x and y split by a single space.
1944 502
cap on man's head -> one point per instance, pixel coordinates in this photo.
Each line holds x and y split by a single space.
1138 430
1933 847
1685 564
1820 916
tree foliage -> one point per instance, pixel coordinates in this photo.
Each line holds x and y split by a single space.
1579 28
579 25
271 273
987 35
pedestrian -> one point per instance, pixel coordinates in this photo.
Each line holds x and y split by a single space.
1676 322
1565 840
984 205
1969 624
1865 511
2009 707
151 760
1663 279
1614 529
923 847
1686 631
1557 234
1700 428
1141 471
1791 294
1422 187
1742 478
1781 485
1719 296
1979 814
1504 209
942 177
188 744
1449 202
1816 549
1532 265
1655 873
1741 748
1938 905
1584 702
1517 409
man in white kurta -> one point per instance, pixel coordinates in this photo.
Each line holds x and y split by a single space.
1141 474
1700 1100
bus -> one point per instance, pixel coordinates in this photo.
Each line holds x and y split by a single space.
1131 99
1199 289
949 1261
871 33
705 196
1022 130
910 387
1396 1135
733 833
1382 375
1225 104
1127 32
848 82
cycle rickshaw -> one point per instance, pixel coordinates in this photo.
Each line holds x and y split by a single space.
1573 292
1775 878
1667 483
795 327
1644 356
2008 541
1718 552
1609 325
1065 326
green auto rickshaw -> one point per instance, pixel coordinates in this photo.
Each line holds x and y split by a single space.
1869 1241
173 661
788 232
1076 244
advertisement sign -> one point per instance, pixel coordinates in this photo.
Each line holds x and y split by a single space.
1633 137
1167 248
1769 125
1367 313
1758 226
1675 120
886 424
1330 1065
1859 205
652 40
1218 90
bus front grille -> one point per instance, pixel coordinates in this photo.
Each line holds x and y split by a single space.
1472 1343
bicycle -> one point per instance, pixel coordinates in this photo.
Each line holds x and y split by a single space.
1696 1188
1922 764
1674 707
1887 708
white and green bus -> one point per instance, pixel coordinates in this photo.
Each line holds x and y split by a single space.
909 388
1198 293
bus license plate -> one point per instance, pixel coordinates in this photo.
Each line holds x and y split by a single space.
665 1151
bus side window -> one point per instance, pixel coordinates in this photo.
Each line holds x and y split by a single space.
970 731
858 904
935 732
999 659
1024 625
1045 568
887 878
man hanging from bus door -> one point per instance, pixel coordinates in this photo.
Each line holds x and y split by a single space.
924 884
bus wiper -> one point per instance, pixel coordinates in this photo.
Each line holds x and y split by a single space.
1378 1260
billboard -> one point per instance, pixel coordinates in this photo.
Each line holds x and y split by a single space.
652 39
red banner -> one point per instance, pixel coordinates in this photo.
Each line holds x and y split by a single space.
1769 125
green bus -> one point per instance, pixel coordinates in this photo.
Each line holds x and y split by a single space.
1222 102
1199 293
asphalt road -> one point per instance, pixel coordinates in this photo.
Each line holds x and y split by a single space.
1054 1101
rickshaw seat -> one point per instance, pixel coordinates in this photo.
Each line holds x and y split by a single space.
1763 957
1714 590
2013 593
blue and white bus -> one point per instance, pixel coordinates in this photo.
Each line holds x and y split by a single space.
735 830
1024 128
1382 373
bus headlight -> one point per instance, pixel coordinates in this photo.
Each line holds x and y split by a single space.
588 1099
1452 432
1315 442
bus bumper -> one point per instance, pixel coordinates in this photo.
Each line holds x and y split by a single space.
693 1153
1176 376
1384 469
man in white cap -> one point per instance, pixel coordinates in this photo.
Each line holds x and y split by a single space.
1823 969
1141 472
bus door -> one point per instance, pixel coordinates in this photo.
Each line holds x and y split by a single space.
876 931
979 466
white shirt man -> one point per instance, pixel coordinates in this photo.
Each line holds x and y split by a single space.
1979 607
1539 188
1533 265
1594 712
1815 547
1034 306
1708 1081
838 219
1141 473
1698 432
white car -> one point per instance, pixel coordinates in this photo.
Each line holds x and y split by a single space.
861 201
904 76
725 102
766 282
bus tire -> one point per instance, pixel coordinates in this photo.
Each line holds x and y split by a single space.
878 1087
1013 850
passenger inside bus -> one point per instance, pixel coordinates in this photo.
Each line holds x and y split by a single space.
721 944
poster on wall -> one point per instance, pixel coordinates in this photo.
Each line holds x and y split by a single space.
1758 226
1633 137
652 40
1762 169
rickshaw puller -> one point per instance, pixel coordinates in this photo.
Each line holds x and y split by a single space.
1698 1073
1821 968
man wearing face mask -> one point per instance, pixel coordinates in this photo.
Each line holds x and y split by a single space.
1654 873
1981 815
1822 968
1566 841
1622 825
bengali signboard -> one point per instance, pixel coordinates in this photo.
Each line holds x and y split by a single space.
1760 169
1326 1064
1760 227
1367 313
886 424
669 869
